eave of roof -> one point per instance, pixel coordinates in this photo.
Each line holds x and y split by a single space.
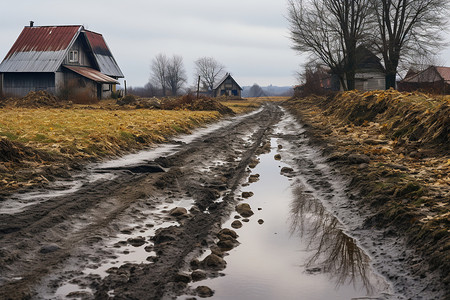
106 62
225 78
92 74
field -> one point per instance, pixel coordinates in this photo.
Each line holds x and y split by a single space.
41 134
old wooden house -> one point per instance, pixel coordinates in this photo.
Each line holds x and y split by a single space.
432 80
369 72
227 86
57 58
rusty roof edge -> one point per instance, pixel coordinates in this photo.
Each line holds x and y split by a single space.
109 49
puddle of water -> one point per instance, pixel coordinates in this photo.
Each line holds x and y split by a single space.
300 251
126 253
19 202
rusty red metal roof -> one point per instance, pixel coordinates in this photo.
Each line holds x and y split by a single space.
43 49
44 38
92 74
431 74
40 49
444 72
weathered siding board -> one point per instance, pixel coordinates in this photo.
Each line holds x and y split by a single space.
83 56
22 83
369 81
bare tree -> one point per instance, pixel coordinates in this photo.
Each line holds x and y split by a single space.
315 79
256 91
175 74
209 70
159 71
330 31
407 28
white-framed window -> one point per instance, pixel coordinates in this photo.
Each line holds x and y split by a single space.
73 56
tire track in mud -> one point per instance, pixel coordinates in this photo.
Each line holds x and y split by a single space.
85 218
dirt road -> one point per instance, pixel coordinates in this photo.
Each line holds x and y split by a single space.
173 203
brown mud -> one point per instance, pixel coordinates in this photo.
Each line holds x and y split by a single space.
71 230
38 240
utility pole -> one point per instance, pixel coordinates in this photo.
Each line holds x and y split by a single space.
198 86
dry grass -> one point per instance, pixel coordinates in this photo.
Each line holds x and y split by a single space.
82 132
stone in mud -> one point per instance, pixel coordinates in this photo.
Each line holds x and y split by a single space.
204 291
198 275
49 248
215 249
181 277
253 163
136 241
246 220
247 194
287 170
277 157
260 221
225 245
358 159
244 210
166 235
236 224
195 264
214 262
227 232
253 178
126 231
178 212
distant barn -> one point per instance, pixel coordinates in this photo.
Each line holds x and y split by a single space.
227 87
433 80
57 58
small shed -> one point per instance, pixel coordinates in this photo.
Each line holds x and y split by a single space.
57 58
432 80
227 86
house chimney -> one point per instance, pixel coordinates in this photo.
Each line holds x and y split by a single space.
31 23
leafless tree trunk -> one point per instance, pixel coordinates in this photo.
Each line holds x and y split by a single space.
408 28
209 71
330 31
175 74
159 71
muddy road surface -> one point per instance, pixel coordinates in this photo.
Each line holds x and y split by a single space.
163 223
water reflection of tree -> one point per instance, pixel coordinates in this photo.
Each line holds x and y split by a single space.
334 251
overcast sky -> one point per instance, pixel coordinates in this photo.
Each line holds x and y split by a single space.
250 37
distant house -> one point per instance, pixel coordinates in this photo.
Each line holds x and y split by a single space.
369 74
53 58
227 86
433 80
